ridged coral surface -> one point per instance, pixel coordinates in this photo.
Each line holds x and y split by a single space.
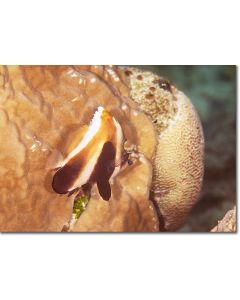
39 108
42 106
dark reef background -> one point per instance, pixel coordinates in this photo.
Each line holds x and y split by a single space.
212 89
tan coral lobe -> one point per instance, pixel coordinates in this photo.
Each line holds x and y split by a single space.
47 109
42 107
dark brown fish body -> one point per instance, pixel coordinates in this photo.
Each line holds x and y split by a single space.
94 163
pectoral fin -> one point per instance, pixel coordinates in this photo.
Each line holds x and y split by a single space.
104 189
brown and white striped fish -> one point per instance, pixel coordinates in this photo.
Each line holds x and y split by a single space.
94 156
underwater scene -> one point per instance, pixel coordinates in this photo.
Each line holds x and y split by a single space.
118 148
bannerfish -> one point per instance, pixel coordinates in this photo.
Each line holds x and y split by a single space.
93 156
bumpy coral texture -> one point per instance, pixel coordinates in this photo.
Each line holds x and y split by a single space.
39 108
178 166
228 223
